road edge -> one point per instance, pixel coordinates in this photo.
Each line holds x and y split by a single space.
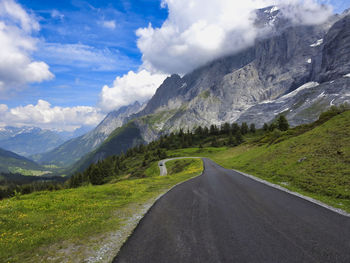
283 189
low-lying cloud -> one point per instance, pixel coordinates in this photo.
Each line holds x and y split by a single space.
45 116
199 31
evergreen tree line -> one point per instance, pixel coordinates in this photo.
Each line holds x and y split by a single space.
214 136
135 161
16 184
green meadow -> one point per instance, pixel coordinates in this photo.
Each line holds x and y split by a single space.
34 226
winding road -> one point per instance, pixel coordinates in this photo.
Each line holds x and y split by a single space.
162 167
223 216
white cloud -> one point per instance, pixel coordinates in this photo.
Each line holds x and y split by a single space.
309 12
45 116
13 12
129 88
199 31
57 14
83 56
109 24
17 68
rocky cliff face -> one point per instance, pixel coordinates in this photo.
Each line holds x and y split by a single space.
331 68
232 88
336 51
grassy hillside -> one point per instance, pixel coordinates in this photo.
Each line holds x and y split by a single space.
14 163
311 159
119 141
72 224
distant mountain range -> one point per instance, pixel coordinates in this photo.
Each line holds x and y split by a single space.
295 70
72 150
28 141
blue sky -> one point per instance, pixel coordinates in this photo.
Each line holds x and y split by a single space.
88 54
76 22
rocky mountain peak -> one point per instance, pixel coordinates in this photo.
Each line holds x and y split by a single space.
336 55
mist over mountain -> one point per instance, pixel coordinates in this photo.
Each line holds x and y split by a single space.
227 89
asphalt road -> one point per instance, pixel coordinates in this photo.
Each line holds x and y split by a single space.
223 216
161 164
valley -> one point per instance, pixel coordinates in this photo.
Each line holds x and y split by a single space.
139 183
220 132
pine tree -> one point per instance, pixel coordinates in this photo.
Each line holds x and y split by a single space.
205 131
231 141
225 129
244 128
235 128
252 128
181 133
266 127
272 127
239 138
282 123
96 177
213 129
199 131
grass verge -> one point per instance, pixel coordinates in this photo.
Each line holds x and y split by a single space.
48 226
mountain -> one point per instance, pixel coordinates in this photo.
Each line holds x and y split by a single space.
238 86
28 140
330 82
11 162
119 141
295 70
68 135
72 150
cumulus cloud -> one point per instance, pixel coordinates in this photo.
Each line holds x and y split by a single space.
45 116
129 88
109 24
17 68
199 31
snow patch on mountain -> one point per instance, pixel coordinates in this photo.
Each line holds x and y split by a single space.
317 43
305 86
